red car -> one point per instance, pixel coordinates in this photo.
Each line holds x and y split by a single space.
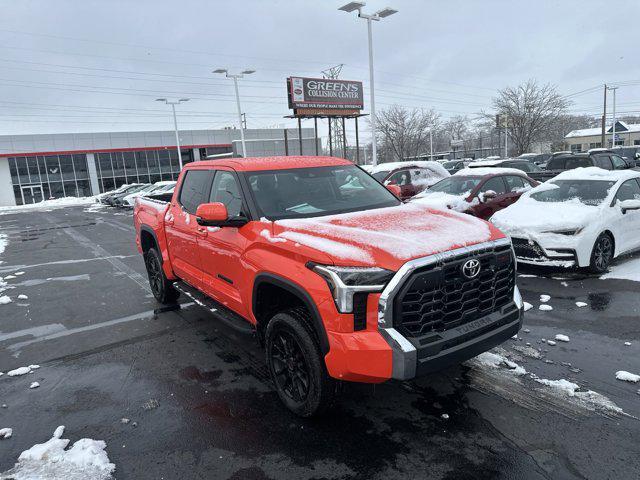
330 270
478 191
411 177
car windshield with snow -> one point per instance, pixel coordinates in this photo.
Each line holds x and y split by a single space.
584 218
412 176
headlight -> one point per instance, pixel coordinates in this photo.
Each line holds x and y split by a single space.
566 231
344 282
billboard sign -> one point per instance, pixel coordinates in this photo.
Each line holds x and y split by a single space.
324 94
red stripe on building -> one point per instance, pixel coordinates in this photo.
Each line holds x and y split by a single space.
109 150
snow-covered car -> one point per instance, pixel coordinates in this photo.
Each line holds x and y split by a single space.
411 177
158 187
583 217
517 163
477 191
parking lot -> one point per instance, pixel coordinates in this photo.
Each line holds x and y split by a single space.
175 393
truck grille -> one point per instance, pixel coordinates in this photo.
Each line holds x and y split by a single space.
524 249
438 297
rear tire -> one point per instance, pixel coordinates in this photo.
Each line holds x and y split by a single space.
161 287
602 253
297 365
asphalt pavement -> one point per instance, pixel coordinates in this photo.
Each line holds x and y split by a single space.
199 402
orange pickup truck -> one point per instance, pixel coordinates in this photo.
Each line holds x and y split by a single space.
339 279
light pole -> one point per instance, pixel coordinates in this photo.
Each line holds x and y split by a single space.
235 77
173 104
385 12
431 142
613 131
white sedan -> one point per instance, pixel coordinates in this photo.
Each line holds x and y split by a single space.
158 187
583 217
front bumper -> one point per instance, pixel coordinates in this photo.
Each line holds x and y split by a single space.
415 356
534 252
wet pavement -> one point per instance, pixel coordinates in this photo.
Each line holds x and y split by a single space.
200 403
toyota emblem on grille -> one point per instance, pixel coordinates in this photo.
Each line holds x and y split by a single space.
471 268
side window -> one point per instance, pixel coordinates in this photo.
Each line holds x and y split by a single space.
618 163
195 189
579 162
629 190
603 161
400 178
514 184
496 184
556 164
226 190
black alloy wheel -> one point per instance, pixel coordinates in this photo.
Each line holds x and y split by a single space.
602 253
291 372
161 287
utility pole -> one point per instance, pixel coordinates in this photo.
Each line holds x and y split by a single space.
431 142
337 134
613 129
603 138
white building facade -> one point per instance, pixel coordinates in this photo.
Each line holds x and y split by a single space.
37 167
627 135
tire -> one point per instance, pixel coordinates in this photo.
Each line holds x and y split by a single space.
602 253
161 287
296 364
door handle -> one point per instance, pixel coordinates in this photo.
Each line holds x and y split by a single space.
202 232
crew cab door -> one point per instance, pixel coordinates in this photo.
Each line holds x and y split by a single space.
181 228
221 248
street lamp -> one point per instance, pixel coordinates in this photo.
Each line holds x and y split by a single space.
235 77
173 104
385 12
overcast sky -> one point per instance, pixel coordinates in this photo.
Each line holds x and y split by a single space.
77 66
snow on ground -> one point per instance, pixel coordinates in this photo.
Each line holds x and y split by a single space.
527 306
545 308
581 304
34 385
48 205
627 377
4 299
23 297
562 338
627 344
499 364
6 432
3 242
85 460
624 270
545 298
22 370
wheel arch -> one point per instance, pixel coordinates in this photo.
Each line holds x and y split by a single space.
266 282
148 239
613 239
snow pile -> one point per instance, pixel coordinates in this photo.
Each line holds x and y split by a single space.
581 304
85 460
587 398
22 370
545 298
23 297
5 299
444 201
627 377
545 308
397 233
6 433
527 306
34 385
48 205
494 360
562 338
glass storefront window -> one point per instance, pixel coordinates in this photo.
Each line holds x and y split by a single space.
53 168
80 166
66 163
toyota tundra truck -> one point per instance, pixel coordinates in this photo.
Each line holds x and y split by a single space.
338 279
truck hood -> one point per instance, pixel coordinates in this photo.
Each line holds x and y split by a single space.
385 237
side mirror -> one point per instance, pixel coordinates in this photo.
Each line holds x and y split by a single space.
212 214
631 204
488 195
395 189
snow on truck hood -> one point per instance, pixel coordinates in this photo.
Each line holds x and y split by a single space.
386 237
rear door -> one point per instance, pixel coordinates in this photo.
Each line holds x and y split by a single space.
626 226
618 163
221 248
516 186
181 227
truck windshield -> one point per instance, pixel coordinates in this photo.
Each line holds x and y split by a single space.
312 192
589 192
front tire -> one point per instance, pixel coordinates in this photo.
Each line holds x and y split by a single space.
161 287
602 253
296 364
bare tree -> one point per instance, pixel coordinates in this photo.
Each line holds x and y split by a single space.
404 133
530 110
564 124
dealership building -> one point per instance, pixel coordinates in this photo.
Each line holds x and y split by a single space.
43 166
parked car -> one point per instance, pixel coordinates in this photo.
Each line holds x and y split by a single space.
452 166
539 159
630 154
601 158
335 282
411 177
524 165
158 187
107 198
477 191
116 200
583 217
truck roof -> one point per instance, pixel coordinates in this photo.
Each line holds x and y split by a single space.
251 164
